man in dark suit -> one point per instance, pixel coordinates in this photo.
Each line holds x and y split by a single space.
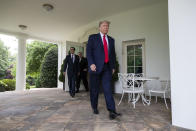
72 61
101 61
83 72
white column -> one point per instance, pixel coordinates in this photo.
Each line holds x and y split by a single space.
64 54
182 34
60 62
21 65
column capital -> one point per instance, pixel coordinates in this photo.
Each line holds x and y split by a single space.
22 36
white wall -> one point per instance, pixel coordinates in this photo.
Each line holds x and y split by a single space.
182 32
149 22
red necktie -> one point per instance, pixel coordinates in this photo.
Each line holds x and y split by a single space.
105 50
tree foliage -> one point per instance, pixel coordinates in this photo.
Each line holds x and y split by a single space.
49 66
3 59
35 54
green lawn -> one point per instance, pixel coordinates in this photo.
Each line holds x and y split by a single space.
32 86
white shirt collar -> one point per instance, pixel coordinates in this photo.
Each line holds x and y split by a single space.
106 37
103 35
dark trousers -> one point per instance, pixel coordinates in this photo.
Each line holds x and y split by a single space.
83 77
105 77
71 83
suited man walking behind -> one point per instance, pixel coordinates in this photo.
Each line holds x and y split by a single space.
101 61
83 72
72 61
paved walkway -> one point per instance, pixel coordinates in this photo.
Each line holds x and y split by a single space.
54 110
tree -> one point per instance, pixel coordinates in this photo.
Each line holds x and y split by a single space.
3 59
35 54
49 66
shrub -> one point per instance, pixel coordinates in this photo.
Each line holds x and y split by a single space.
10 84
30 80
2 86
38 82
61 76
27 86
48 74
115 75
35 54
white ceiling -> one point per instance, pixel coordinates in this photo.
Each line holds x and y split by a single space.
67 16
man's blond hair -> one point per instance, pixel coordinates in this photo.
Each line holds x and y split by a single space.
104 21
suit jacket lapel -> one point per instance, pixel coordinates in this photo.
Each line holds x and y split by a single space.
109 45
100 40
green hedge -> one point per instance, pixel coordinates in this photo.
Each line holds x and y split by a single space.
30 80
38 82
48 74
61 76
27 86
11 84
2 86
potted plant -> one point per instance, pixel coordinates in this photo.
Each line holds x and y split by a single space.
61 76
115 76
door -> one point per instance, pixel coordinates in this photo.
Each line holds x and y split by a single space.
79 47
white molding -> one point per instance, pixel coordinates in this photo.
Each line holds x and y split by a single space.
21 35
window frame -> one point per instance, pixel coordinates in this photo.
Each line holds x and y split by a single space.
125 55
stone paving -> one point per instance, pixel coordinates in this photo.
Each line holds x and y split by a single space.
55 110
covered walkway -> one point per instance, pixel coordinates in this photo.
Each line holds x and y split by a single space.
55 110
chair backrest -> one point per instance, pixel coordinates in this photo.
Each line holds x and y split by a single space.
139 83
128 82
165 84
161 85
139 75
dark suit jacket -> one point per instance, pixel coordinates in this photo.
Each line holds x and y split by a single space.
83 64
96 55
73 68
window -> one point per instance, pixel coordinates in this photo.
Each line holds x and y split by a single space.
134 59
133 56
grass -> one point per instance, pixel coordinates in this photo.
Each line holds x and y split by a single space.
32 86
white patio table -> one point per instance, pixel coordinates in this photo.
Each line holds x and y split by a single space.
143 80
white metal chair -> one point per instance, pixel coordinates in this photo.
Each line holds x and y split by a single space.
130 86
162 87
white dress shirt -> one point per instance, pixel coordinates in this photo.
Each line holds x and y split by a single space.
106 37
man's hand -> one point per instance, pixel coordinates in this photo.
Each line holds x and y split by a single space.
113 70
64 73
93 67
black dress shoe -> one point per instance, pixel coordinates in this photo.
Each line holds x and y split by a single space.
72 95
113 115
117 114
96 111
77 91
